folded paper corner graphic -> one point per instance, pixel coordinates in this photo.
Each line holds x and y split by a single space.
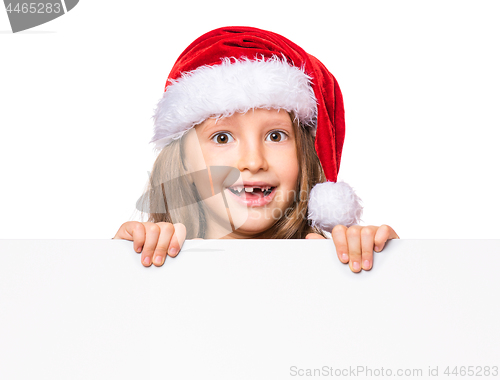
26 15
70 4
163 196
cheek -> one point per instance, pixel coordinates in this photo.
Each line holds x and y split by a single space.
287 167
214 158
288 164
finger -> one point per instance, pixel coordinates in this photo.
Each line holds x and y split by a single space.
354 243
383 234
124 232
160 252
340 241
314 236
177 239
367 238
152 235
137 233
132 231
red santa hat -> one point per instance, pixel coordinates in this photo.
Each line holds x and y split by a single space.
235 69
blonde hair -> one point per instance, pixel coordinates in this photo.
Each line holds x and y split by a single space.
169 165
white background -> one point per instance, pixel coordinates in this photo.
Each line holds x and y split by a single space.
420 82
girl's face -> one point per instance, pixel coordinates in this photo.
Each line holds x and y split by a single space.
259 146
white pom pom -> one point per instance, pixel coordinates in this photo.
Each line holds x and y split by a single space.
332 203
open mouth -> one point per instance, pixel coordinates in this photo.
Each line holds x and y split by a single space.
251 192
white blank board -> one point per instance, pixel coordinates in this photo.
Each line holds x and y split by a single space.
252 309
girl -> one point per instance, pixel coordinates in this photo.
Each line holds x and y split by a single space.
250 132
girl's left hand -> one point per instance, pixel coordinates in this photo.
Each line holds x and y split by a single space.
355 245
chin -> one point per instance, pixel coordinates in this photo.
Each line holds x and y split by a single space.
255 224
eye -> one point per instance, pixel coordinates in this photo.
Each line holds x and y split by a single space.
277 136
222 138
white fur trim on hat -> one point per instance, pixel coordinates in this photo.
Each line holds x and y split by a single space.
332 203
232 86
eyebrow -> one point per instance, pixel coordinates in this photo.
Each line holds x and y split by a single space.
221 123
209 129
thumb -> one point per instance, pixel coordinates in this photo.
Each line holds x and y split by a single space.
178 239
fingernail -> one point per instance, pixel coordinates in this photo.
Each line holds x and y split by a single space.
147 261
173 251
345 257
355 265
377 249
366 265
139 250
158 259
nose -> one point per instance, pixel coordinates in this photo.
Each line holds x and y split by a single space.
252 157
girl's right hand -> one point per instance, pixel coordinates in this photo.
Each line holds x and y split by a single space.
154 240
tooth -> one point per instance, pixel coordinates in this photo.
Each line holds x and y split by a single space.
249 189
239 188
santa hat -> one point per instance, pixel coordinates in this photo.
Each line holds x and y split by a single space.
235 69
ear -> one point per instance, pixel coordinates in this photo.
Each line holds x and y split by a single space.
189 178
187 170
185 163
